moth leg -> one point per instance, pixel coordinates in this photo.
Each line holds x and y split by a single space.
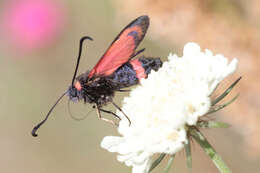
138 52
110 112
122 112
123 90
104 119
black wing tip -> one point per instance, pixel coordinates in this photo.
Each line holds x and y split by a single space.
142 21
144 18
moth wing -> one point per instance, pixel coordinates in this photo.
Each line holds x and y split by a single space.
122 48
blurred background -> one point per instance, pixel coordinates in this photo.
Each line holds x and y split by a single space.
38 49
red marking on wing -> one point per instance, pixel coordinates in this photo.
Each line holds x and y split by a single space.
138 68
122 48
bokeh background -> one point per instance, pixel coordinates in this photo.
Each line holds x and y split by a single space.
38 49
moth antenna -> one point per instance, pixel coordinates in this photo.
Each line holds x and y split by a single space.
79 55
47 116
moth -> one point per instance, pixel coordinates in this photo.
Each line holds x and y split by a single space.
115 70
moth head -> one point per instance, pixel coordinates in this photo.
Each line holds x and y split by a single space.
75 92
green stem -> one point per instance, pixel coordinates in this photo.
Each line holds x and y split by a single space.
188 155
217 160
226 92
169 164
157 161
219 107
212 124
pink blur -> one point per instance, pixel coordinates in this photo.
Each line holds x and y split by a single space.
30 24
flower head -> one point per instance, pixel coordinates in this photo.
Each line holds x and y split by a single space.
176 95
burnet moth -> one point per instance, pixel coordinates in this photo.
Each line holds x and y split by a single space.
115 71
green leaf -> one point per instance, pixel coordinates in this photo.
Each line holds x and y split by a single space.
157 161
169 164
212 124
226 92
219 107
188 155
217 160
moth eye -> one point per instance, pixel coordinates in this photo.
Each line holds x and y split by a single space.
73 92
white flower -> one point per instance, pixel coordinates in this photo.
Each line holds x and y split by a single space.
176 95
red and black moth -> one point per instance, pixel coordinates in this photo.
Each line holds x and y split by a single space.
115 70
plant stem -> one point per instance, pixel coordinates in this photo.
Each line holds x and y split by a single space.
157 161
226 92
188 155
217 160
169 164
